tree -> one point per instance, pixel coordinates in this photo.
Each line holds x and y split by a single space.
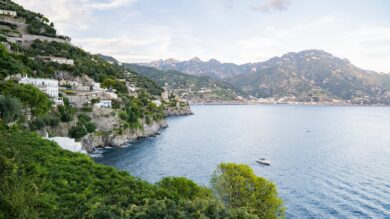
108 83
10 108
184 187
90 127
29 95
238 187
77 131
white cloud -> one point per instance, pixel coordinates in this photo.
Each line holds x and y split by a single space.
71 14
367 47
272 5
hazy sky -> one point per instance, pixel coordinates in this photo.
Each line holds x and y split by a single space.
236 31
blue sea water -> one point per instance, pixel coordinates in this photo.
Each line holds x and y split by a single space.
327 161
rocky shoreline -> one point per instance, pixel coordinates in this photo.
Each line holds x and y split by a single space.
93 141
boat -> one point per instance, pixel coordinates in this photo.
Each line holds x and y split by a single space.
264 161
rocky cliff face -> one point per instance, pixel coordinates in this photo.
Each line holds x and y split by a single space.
96 140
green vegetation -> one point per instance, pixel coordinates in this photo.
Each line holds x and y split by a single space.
83 127
238 187
10 108
180 83
78 131
30 96
9 63
40 180
136 110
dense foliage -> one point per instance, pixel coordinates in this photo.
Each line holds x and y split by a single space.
136 110
9 63
83 127
30 96
10 108
40 180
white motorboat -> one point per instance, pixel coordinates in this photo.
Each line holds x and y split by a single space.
264 161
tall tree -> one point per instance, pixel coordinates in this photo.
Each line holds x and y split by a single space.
239 188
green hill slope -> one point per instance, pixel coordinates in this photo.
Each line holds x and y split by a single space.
194 88
40 180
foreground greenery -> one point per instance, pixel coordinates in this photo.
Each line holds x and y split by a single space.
40 180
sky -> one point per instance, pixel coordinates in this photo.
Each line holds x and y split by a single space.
238 31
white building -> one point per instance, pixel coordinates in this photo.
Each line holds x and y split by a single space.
48 86
97 87
8 13
104 104
165 95
59 60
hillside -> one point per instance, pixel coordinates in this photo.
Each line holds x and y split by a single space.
40 180
314 75
193 88
55 88
307 76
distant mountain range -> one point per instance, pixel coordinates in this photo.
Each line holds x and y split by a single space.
307 76
197 67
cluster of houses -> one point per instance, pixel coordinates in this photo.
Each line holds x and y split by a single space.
80 92
48 86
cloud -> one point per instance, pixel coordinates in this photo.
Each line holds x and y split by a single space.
272 5
71 14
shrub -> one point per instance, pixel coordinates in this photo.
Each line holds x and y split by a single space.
90 127
10 108
77 131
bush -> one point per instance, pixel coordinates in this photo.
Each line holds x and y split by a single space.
83 118
90 126
77 131
10 108
37 124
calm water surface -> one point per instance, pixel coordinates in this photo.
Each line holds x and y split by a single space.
328 162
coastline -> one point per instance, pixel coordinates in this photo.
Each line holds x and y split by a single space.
288 103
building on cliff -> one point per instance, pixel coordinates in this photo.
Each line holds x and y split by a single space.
59 60
48 86
8 13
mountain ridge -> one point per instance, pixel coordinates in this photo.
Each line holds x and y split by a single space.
305 76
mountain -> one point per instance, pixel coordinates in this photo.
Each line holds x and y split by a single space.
193 88
313 75
108 58
197 67
306 76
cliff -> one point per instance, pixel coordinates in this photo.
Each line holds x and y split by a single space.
102 139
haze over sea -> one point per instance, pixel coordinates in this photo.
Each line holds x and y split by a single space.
326 161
